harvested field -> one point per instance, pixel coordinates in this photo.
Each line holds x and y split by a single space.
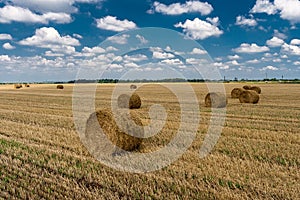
256 157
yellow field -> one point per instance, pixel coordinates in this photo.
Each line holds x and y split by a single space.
256 157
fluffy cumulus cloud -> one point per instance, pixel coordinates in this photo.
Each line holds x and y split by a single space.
288 9
135 58
295 42
242 21
203 8
5 36
10 14
8 46
49 37
251 48
162 55
5 58
199 29
234 57
119 39
264 6
142 39
275 42
198 51
293 48
111 23
269 67
44 6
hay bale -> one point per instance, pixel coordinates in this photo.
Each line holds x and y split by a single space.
121 137
131 102
235 93
256 89
247 87
215 100
26 85
17 86
61 87
249 96
133 87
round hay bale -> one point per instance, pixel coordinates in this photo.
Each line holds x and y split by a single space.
60 87
249 96
133 102
247 87
235 93
133 87
215 100
256 89
26 85
119 137
17 86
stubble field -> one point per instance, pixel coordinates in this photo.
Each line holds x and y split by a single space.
256 157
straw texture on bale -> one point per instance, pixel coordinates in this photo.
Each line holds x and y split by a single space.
247 87
215 100
133 87
60 87
120 137
235 93
131 102
249 96
256 89
17 86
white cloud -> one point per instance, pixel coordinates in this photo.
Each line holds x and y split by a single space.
270 67
5 36
296 63
9 14
251 48
8 46
264 6
242 21
48 37
162 55
215 21
234 57
75 35
289 9
277 60
199 29
234 62
113 24
254 61
198 51
195 61
291 49
275 42
295 42
172 62
135 58
44 6
52 54
119 39
279 34
178 9
221 65
4 58
93 50
47 5
142 39
131 65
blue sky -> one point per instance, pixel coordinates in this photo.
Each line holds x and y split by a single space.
51 40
